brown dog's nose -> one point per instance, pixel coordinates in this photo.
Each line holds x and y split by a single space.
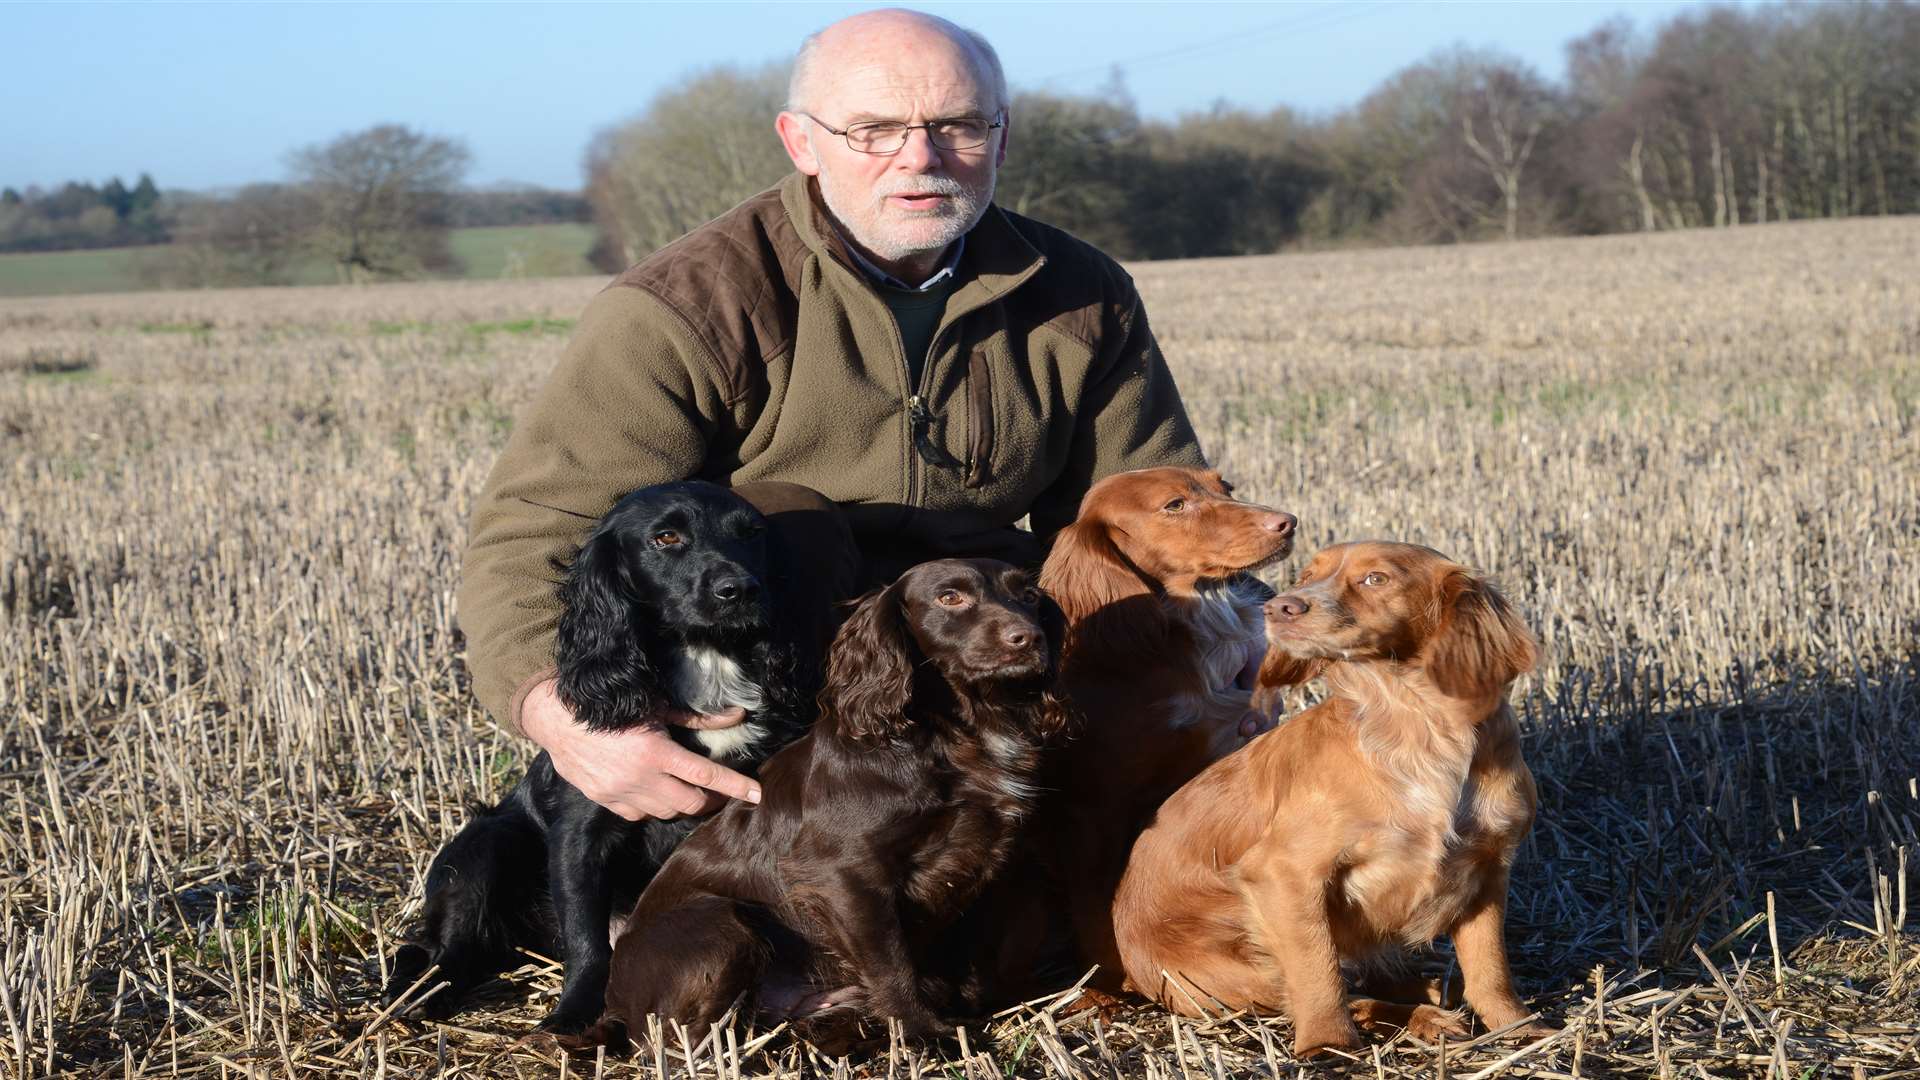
1279 522
1288 607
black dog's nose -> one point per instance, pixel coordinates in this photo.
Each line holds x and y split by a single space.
735 588
1017 637
1288 607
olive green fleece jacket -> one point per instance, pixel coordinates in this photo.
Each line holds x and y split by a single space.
753 348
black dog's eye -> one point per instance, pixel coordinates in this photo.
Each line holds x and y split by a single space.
1374 578
666 538
1030 595
950 598
1175 506
751 530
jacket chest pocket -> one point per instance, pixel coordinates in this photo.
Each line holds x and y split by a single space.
979 419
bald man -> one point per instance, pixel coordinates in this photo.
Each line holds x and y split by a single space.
874 329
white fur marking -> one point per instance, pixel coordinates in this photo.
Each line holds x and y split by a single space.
707 681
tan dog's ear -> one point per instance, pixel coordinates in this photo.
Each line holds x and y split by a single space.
1479 645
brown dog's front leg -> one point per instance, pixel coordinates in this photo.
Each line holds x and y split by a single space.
1288 909
862 927
1480 943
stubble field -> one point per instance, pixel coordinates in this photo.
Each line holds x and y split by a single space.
234 722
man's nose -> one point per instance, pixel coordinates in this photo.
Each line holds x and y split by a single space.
919 154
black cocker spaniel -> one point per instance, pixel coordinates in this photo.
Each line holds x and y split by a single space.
675 599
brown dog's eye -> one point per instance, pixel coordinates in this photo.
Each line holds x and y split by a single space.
951 598
666 538
1175 506
1375 578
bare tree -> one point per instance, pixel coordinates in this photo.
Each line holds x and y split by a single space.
254 237
381 200
691 155
1512 104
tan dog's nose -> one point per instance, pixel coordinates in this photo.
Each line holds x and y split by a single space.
1287 607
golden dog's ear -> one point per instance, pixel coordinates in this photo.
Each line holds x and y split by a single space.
1479 645
1085 571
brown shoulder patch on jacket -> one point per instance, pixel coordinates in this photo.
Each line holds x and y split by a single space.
734 281
1081 292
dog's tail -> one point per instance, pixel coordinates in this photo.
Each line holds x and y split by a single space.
486 899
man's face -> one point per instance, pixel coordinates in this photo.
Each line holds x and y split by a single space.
908 206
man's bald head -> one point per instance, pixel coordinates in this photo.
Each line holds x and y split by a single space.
891 31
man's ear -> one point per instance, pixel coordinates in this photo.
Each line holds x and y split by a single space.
798 141
1006 130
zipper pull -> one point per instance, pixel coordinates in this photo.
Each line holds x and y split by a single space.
920 422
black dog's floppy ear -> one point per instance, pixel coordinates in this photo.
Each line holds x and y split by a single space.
601 644
870 669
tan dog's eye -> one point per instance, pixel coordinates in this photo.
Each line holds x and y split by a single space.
1175 506
666 538
950 598
1374 578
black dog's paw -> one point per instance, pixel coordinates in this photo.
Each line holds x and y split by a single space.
565 1024
409 963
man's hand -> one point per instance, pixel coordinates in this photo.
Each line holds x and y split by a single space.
638 773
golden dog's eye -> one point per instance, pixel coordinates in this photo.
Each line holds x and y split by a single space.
951 598
1374 578
1175 506
666 538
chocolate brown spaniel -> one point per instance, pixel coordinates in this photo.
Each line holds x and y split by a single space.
839 892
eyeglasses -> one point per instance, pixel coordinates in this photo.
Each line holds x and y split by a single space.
889 136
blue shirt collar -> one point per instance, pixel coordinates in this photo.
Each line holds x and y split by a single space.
881 277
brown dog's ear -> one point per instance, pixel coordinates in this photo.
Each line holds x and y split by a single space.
1109 606
1479 645
870 669
1085 572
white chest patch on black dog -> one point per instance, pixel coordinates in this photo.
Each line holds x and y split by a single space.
707 681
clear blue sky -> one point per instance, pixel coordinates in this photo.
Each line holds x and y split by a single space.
207 95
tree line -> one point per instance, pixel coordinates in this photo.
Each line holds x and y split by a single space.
1720 117
82 215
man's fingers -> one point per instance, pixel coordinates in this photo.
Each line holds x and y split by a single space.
705 773
707 721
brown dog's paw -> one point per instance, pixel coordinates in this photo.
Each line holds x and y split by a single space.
1424 1022
1103 1005
1530 1032
1314 1038
1429 1024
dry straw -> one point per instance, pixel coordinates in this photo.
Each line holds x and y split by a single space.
236 723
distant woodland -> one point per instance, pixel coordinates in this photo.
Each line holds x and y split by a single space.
1717 118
